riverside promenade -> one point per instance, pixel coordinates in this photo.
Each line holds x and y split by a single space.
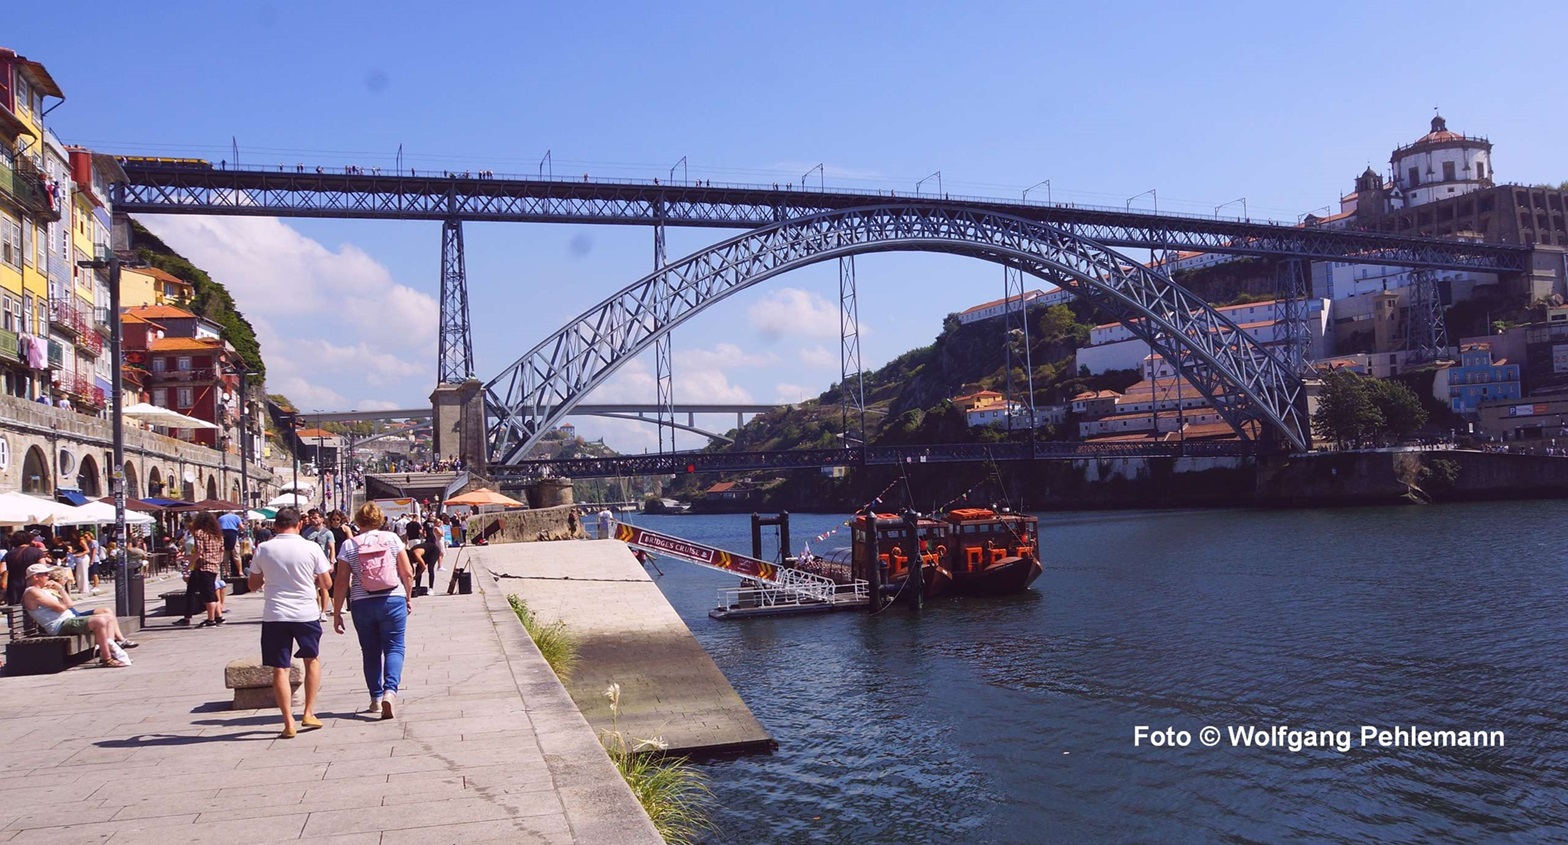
487 745
627 633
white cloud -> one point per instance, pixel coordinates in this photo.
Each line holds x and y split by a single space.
792 394
375 405
331 323
818 356
794 312
722 355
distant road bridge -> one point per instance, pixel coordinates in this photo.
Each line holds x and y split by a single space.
622 411
677 463
1257 393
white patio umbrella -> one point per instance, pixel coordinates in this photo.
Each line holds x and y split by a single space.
100 513
163 417
289 499
22 509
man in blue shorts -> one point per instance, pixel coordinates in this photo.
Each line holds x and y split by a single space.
289 569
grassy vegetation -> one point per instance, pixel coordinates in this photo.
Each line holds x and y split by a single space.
554 641
672 792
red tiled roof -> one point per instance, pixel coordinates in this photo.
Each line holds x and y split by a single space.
163 276
160 311
1030 295
185 344
721 487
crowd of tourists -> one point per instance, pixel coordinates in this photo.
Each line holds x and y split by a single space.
309 565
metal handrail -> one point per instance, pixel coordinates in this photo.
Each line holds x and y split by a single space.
789 187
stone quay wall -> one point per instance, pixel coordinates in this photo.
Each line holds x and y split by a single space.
527 526
44 449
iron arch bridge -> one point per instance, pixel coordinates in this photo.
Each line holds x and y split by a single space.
1250 388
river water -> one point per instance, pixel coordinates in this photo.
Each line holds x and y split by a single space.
1014 719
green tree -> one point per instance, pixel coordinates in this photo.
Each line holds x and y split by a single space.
1346 411
1399 406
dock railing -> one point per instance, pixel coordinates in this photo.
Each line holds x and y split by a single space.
764 594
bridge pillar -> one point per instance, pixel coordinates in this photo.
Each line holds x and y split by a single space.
457 422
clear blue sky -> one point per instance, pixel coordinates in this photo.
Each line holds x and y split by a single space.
1206 102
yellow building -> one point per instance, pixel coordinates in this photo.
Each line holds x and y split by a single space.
29 202
151 286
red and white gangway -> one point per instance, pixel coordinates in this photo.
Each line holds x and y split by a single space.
778 588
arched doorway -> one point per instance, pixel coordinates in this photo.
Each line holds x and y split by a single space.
154 482
212 487
132 489
234 492
36 477
87 478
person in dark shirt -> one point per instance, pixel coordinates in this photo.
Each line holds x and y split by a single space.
336 523
22 555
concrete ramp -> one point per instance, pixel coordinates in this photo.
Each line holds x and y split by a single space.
627 634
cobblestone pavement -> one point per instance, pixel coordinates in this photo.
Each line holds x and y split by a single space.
486 746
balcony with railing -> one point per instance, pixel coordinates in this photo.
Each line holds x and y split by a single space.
193 375
64 316
78 385
90 341
25 186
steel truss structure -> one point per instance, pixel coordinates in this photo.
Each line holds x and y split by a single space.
1290 311
663 361
1015 340
1247 386
456 362
1427 338
290 192
682 462
852 403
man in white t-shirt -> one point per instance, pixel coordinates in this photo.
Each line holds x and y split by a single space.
289 569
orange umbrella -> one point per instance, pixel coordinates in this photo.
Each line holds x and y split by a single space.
484 496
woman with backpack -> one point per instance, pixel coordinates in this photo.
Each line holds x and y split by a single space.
375 578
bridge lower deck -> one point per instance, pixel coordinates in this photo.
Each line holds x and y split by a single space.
627 634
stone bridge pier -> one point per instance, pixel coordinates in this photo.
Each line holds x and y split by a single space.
457 423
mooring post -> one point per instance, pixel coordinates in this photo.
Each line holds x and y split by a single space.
917 571
756 535
873 562
783 522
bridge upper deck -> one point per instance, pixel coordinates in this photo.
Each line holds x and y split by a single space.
195 187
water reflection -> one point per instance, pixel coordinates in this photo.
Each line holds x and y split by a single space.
1011 720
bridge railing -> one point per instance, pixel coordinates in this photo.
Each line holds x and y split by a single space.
686 462
374 171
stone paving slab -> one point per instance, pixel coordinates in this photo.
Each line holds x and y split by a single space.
487 746
628 634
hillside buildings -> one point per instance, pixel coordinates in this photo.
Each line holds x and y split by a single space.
55 223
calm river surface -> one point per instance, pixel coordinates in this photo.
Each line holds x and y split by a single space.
1013 720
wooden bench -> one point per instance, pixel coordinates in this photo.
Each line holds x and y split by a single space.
32 652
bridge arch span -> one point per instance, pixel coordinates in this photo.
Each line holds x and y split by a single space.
1248 386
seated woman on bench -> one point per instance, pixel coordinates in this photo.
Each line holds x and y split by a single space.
51 609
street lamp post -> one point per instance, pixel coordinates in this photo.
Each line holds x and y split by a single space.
122 586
